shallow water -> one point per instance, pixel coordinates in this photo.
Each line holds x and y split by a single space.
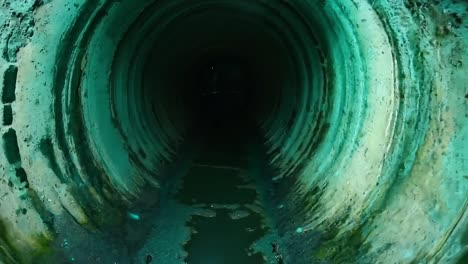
220 180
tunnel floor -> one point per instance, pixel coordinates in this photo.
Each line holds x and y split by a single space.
218 180
213 211
212 207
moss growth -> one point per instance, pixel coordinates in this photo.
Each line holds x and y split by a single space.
8 253
11 254
341 248
42 247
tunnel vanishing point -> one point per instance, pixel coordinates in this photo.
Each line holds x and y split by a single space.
335 129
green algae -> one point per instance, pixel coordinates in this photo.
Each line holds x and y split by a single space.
342 248
11 254
8 252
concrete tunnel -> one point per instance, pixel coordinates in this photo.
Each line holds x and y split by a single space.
233 131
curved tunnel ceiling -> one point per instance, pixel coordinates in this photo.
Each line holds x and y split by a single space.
361 105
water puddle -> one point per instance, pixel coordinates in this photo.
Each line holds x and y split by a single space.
209 185
221 239
226 226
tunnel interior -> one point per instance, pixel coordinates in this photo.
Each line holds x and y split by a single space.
233 131
224 67
216 72
216 64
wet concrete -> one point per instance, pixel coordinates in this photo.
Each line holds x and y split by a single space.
221 239
210 209
220 180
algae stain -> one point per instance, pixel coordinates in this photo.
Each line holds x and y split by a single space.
38 247
342 248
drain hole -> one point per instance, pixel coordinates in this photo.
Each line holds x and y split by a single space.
7 115
11 147
9 83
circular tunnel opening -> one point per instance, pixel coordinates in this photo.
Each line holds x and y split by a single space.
211 67
237 81
222 131
219 89
218 64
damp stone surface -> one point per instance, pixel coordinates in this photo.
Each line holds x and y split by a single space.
297 132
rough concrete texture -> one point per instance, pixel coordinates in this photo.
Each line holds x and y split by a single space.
380 172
